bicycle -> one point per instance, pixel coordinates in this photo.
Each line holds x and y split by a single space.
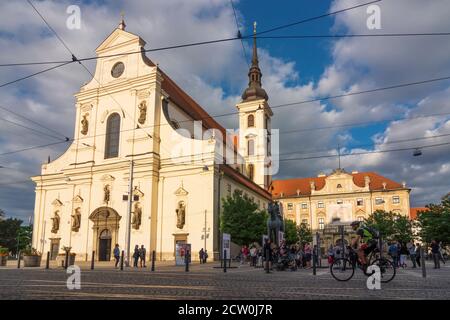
343 269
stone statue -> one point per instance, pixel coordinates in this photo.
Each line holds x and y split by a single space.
137 217
181 215
142 112
274 222
107 192
76 220
55 222
84 124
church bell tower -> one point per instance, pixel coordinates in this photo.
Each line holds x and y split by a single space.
255 125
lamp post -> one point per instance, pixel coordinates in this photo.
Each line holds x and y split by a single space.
128 222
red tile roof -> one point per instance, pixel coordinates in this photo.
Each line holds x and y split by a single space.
289 187
414 211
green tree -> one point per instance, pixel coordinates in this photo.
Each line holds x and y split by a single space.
11 231
403 228
2 214
290 232
304 233
242 219
435 223
384 222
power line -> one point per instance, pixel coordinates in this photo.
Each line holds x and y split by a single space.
366 35
35 74
316 18
32 121
239 34
28 128
34 147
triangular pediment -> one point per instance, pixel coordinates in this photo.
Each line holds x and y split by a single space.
119 37
181 192
138 192
107 177
78 199
57 203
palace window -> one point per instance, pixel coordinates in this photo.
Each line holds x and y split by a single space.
395 199
251 171
359 202
379 201
339 186
304 205
250 121
112 136
290 206
250 147
321 223
320 204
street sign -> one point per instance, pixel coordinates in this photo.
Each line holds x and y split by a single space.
181 249
226 245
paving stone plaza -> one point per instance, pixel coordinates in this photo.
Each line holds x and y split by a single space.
169 282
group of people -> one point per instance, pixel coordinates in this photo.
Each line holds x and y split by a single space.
399 251
203 255
138 255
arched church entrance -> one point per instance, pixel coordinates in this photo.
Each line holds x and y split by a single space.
106 230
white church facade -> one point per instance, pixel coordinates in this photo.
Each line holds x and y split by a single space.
143 167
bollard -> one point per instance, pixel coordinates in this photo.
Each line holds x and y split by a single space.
186 261
66 261
422 261
18 261
92 260
314 263
153 260
267 262
225 261
47 263
121 260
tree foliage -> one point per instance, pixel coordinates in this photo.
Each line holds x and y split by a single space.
435 223
304 233
391 225
242 219
290 232
14 236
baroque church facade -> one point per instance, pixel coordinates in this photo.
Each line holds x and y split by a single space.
148 165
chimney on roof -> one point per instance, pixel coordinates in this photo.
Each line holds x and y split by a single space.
354 172
404 184
384 185
321 174
281 194
313 185
366 181
298 192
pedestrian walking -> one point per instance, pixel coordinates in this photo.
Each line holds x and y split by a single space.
200 255
418 248
403 254
441 256
267 254
412 253
136 256
436 254
116 253
330 255
393 252
253 255
205 256
142 253
307 250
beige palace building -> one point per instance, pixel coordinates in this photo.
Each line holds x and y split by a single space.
339 198
142 166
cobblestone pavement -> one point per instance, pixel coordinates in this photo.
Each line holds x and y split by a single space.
209 282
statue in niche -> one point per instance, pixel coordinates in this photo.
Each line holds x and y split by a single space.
107 193
84 124
76 220
181 214
55 222
142 112
137 217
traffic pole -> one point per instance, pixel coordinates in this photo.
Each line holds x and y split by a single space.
224 260
18 260
422 261
186 261
121 260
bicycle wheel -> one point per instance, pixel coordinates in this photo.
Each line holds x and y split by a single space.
387 269
342 269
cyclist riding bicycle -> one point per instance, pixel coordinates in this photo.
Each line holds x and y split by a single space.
365 242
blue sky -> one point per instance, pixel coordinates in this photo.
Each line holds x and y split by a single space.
215 75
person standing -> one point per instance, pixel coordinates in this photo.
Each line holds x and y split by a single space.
307 251
253 252
403 254
136 256
393 252
418 248
205 256
441 256
116 253
267 254
436 254
142 253
412 253
200 255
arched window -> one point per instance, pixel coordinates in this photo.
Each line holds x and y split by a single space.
251 121
251 147
112 136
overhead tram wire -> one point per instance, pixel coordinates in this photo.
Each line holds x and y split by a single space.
182 45
32 121
239 34
29 128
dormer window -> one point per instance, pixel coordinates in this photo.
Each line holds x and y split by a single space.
339 186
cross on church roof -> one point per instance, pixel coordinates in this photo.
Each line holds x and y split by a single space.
122 24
